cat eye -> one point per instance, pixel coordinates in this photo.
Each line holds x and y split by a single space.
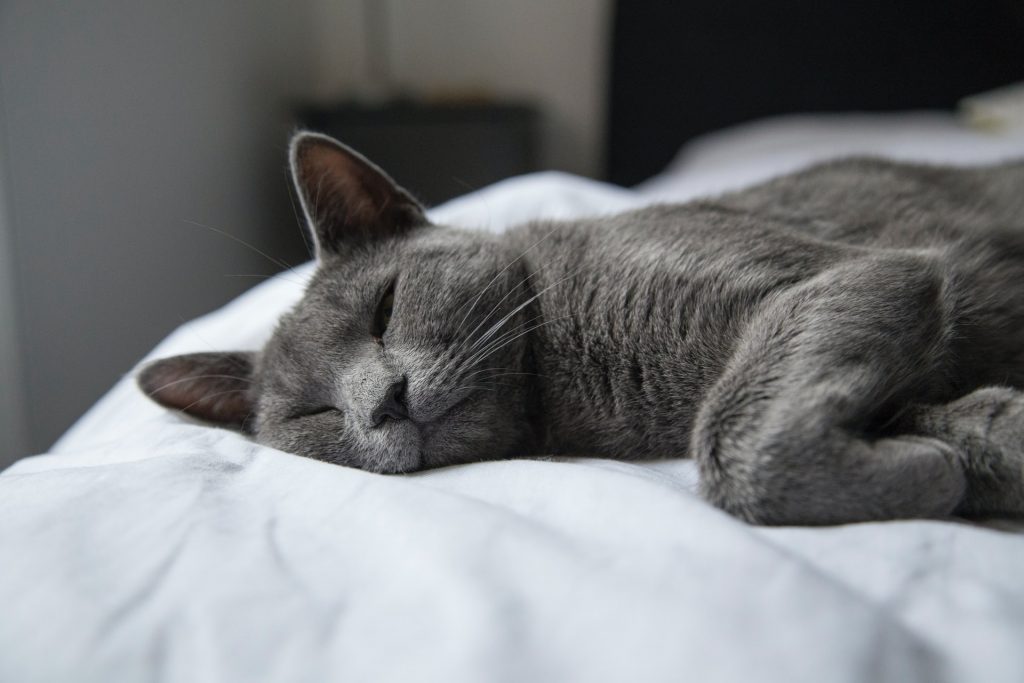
314 411
383 316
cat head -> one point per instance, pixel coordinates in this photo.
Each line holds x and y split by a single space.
391 360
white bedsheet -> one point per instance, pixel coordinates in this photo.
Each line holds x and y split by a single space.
148 548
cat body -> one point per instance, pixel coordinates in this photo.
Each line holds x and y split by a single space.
841 344
652 304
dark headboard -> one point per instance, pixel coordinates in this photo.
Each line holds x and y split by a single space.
680 69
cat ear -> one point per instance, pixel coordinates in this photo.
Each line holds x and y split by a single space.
215 387
346 198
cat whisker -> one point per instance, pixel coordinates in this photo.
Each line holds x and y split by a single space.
286 268
503 374
470 360
209 396
448 356
476 387
510 370
505 341
511 332
497 326
275 261
495 279
469 338
468 187
195 377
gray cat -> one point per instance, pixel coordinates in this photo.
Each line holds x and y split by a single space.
841 344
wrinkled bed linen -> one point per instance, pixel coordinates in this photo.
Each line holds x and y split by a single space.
146 547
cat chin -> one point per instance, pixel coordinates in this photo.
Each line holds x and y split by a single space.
397 463
400 449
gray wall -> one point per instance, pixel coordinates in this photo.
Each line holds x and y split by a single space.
13 433
552 52
122 120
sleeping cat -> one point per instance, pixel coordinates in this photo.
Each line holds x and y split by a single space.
841 344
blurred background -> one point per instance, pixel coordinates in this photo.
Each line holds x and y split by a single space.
141 144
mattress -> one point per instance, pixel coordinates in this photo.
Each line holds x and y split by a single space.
147 547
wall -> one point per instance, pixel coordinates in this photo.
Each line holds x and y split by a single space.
553 53
123 121
13 443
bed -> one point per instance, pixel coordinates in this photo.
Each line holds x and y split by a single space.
148 547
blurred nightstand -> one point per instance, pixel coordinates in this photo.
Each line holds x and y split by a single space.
436 151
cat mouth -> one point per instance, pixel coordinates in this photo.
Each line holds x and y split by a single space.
402 465
406 465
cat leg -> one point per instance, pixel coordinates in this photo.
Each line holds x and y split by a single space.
786 436
987 428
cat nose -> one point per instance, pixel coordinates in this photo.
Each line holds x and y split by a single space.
392 405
